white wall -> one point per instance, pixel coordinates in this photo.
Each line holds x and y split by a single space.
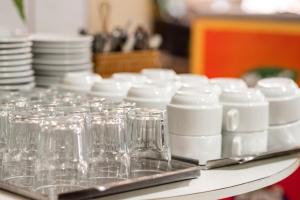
58 16
9 18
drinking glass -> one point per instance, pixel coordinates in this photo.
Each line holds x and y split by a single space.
148 140
61 163
108 153
20 154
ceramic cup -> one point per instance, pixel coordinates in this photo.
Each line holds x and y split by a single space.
284 98
201 148
158 74
111 89
244 110
242 144
192 80
284 137
79 81
149 96
194 114
206 88
229 83
131 77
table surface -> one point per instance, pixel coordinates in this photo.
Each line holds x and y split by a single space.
213 184
220 183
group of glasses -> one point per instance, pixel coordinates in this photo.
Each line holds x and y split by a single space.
54 141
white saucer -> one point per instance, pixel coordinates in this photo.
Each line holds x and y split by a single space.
63 67
14 39
15 56
61 51
48 78
17 80
15 51
60 38
57 45
16 74
27 86
75 61
15 45
15 62
63 56
57 73
15 68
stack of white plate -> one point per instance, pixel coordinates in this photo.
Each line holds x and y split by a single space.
56 55
15 62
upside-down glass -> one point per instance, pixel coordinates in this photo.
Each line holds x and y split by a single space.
61 163
108 153
148 141
20 155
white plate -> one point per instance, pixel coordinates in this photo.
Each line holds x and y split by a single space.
62 56
48 78
16 68
62 45
15 51
63 67
57 73
16 74
27 86
56 38
14 39
15 45
15 56
15 62
77 61
17 80
61 51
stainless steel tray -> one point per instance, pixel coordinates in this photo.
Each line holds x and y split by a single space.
173 172
223 162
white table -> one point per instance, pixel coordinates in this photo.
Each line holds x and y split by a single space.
220 183
213 184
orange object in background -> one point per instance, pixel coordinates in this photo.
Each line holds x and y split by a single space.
249 48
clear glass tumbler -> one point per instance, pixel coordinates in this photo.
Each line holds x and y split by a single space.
108 152
61 164
20 155
148 141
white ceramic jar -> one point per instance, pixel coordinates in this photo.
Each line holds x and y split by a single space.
111 89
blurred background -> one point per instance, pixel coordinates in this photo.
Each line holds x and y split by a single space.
251 39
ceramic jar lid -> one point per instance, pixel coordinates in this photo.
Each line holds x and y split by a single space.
187 80
79 81
111 89
243 96
229 83
195 99
159 74
134 78
149 95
